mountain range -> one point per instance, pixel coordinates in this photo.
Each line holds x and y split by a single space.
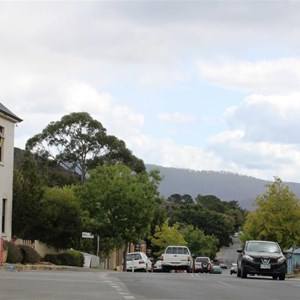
224 185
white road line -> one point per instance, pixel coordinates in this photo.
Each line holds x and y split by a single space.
224 283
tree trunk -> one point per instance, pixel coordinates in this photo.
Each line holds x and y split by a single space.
124 257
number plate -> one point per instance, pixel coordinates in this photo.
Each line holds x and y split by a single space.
265 266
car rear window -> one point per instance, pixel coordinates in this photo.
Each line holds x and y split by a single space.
202 259
177 250
133 256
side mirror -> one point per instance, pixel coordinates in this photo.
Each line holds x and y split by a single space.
288 255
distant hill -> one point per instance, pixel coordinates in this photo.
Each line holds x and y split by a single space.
224 185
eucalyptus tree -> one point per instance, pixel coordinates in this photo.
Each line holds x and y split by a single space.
79 143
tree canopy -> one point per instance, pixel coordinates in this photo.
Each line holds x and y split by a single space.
276 217
120 203
79 143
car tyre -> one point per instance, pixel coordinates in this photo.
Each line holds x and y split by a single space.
282 276
238 274
243 272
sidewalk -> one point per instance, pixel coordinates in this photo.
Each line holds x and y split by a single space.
44 267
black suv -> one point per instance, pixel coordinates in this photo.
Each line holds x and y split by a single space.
261 258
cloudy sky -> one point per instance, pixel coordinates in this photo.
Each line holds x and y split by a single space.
203 85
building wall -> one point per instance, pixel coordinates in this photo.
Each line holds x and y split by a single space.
6 176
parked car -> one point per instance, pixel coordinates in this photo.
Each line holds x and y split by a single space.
261 258
216 269
177 258
202 264
139 261
157 266
233 268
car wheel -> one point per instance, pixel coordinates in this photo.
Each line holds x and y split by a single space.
230 273
282 276
274 277
243 272
238 273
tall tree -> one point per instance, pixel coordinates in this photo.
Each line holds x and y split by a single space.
276 217
120 203
78 142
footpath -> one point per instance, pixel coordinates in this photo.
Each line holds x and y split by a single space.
44 267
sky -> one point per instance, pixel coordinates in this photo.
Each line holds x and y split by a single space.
201 85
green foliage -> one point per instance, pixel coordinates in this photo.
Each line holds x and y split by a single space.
62 218
29 255
79 143
199 243
28 189
212 203
167 235
212 223
14 253
276 217
67 258
120 204
5 246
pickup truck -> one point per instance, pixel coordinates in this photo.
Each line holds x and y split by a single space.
177 258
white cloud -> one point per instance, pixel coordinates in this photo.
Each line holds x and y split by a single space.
266 77
166 153
176 117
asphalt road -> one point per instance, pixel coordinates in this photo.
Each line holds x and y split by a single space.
229 254
63 285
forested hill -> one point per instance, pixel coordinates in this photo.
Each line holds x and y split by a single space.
224 185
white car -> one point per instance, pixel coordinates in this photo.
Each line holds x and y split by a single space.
138 261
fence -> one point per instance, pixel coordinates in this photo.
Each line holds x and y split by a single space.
293 263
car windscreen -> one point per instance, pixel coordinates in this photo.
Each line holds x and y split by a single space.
263 247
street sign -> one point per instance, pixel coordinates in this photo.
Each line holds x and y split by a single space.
87 235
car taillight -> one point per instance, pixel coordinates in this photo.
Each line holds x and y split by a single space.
141 261
189 258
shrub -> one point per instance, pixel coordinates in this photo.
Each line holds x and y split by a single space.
29 255
5 246
68 258
14 253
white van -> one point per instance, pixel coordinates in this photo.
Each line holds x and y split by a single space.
177 258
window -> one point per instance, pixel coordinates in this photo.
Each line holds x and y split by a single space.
3 214
1 142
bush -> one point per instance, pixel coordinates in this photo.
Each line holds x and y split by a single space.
29 255
5 246
68 258
14 253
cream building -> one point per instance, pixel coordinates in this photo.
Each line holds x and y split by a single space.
8 120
